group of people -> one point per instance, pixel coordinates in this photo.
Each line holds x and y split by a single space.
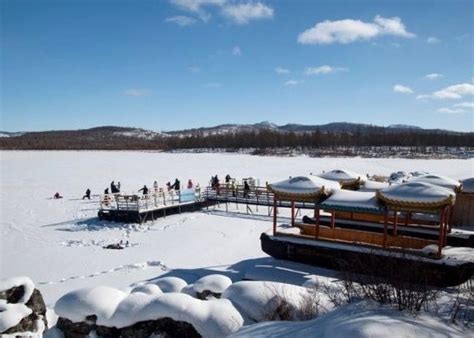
176 186
229 184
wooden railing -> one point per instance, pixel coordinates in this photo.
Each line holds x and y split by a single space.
154 200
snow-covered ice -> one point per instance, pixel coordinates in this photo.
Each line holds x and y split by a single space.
58 243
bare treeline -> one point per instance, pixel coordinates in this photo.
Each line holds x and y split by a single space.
112 138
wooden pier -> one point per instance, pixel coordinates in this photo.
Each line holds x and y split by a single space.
140 209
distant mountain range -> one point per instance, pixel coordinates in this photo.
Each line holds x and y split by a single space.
335 127
234 136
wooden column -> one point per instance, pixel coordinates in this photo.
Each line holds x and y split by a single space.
292 213
447 228
441 234
395 223
385 226
316 215
274 214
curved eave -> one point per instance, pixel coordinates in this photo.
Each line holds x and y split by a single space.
415 205
355 209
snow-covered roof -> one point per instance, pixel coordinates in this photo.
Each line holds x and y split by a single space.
373 186
347 200
468 185
304 186
439 180
416 195
341 175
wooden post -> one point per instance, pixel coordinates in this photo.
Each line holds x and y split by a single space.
274 215
292 213
446 225
316 215
395 223
385 230
333 219
407 217
441 234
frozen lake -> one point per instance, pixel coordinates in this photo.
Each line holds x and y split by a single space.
58 243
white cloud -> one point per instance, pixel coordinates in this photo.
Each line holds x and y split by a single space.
349 30
451 110
136 92
433 76
243 13
433 40
236 51
464 105
213 85
281 70
458 108
181 20
197 6
323 70
457 91
402 89
194 69
292 83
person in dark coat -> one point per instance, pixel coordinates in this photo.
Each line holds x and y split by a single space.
88 194
106 191
177 184
227 178
144 189
113 188
246 189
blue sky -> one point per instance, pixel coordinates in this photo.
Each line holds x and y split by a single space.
168 65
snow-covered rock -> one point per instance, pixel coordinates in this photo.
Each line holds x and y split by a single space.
149 289
112 308
22 308
213 283
170 284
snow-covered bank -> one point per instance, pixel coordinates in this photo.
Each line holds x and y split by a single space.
359 320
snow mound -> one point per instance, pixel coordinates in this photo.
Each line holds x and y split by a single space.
149 289
438 180
170 284
341 175
101 301
259 301
114 308
417 192
303 185
359 320
12 314
214 283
